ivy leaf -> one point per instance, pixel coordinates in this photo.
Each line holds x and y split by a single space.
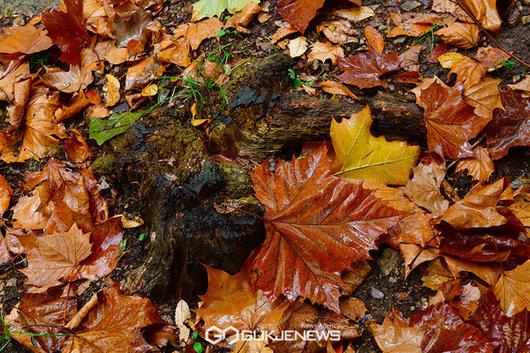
103 130
211 8
365 157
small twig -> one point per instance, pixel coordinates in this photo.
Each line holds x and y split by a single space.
76 320
473 146
486 32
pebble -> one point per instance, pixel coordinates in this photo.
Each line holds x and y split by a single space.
376 293
409 5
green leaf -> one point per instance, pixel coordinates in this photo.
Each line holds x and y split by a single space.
197 347
211 8
142 237
103 130
123 244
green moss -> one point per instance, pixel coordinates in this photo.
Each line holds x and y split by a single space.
103 165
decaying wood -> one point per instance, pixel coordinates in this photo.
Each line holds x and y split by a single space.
182 188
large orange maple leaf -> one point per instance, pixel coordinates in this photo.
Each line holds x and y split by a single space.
317 225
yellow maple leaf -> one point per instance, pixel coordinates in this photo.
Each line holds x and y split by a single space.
513 289
372 159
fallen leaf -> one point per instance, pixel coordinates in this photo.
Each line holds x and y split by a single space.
374 39
195 33
76 147
478 208
211 8
67 30
365 69
485 11
450 59
416 228
338 32
449 120
314 242
112 90
142 73
54 259
282 32
116 324
521 205
150 90
71 81
363 157
424 188
351 280
334 88
76 105
410 58
297 47
484 97
23 40
451 7
513 289
447 332
103 130
15 87
510 126
41 131
480 167
243 18
230 301
412 24
462 35
355 14
396 336
325 51
491 57
469 72
5 195
523 85
299 12
182 314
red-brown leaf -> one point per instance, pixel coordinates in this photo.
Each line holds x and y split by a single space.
365 69
299 12
67 30
317 224
447 332
510 127
450 121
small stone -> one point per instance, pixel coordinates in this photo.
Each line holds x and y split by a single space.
389 262
409 5
400 40
376 293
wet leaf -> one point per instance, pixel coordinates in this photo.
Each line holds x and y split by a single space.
103 130
485 11
396 336
297 47
510 127
54 259
243 18
5 195
412 24
23 40
210 8
365 69
230 301
355 14
112 90
480 167
447 332
299 12
67 30
76 147
115 324
325 51
143 73
462 35
478 209
306 246
468 71
449 120
491 57
424 188
484 97
375 39
68 81
513 289
334 88
364 157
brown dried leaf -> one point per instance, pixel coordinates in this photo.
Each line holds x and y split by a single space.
324 50
513 289
240 20
484 97
5 195
480 167
334 88
374 39
424 188
313 243
485 11
521 206
523 85
396 336
54 259
142 73
449 120
478 208
71 81
468 71
338 32
299 12
365 69
462 35
410 58
412 24
23 40
491 57
510 126
76 147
